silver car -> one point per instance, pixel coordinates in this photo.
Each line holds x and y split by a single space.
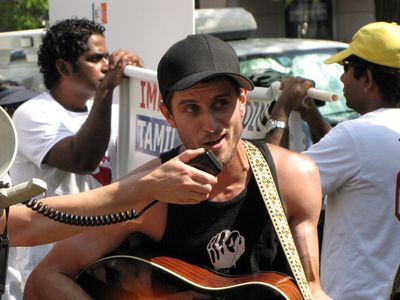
265 60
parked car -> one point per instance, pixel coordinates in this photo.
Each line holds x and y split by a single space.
265 60
18 57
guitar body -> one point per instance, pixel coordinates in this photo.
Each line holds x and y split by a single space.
129 277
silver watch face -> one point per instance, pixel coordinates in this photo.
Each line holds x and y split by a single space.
272 124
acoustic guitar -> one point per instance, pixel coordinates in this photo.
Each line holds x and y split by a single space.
164 278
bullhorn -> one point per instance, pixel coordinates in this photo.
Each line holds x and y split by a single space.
9 144
8 141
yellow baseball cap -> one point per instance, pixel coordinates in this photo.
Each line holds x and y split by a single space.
377 42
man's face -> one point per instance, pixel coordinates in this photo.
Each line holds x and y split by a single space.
208 115
92 66
352 89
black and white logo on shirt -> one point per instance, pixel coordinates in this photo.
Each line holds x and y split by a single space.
225 249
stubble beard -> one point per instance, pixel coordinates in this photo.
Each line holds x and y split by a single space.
226 156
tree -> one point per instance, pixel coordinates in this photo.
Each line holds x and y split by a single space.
23 14
387 10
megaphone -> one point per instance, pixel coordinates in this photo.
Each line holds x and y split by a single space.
9 142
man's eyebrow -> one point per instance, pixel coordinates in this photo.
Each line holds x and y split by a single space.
186 101
97 54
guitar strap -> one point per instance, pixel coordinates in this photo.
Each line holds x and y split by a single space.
266 185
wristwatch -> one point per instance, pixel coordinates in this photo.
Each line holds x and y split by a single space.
272 124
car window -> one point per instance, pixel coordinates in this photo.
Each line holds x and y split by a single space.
18 57
24 72
265 69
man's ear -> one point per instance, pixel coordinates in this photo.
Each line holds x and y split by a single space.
167 114
243 101
63 67
369 82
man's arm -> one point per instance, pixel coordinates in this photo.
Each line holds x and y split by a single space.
293 97
173 181
309 112
82 152
299 183
54 277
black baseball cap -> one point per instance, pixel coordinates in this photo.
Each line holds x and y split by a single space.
16 94
197 58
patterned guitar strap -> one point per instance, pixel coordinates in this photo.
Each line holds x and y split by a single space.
266 185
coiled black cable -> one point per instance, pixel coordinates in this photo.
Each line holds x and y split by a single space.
78 220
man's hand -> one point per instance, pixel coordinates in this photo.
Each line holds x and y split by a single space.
294 91
294 97
118 60
129 57
177 182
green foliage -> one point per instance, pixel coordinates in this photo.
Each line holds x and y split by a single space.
22 14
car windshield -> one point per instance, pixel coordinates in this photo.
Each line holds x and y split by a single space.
263 70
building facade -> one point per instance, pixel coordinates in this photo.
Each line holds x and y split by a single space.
325 19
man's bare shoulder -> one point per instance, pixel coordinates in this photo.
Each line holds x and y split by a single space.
299 183
289 162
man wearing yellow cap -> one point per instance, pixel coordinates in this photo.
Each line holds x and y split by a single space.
359 163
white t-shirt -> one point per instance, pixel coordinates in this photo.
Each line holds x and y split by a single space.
41 123
359 163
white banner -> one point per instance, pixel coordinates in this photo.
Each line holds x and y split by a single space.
147 27
144 133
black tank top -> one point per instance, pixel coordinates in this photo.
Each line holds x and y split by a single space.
234 237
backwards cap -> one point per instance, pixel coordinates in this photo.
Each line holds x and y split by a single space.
197 58
377 42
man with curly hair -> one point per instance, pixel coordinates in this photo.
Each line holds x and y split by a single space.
65 139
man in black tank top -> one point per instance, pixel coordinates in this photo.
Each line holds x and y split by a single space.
217 222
